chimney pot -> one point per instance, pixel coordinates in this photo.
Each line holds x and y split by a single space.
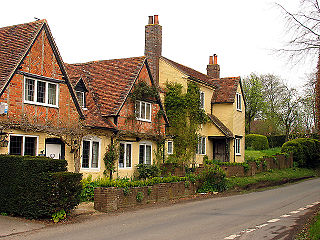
156 19
215 58
211 60
150 20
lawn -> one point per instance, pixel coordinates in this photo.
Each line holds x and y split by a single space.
255 154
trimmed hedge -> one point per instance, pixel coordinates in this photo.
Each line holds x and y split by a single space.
306 151
37 187
212 179
257 142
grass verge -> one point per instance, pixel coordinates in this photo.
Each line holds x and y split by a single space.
311 231
270 176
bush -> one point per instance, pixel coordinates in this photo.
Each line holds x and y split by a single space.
276 141
35 187
212 179
257 142
306 151
146 171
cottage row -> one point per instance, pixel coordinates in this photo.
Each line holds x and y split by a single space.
75 111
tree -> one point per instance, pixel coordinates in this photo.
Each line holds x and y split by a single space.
252 87
305 39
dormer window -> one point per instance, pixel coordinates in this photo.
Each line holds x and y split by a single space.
143 111
81 98
40 92
238 98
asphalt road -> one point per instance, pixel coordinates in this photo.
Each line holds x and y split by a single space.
258 215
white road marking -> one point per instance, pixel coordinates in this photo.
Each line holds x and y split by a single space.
294 212
273 220
309 206
302 208
232 236
261 226
285 215
316 203
250 230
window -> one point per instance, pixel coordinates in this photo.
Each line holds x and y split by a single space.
201 99
238 96
170 147
125 155
40 92
90 153
81 99
145 153
237 146
143 111
23 145
201 145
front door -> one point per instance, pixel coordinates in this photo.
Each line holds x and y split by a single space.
53 150
219 150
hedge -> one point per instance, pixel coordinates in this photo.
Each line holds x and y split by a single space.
37 187
306 151
257 142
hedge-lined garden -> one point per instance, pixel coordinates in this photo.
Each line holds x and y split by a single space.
37 187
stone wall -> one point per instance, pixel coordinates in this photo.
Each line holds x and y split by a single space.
112 198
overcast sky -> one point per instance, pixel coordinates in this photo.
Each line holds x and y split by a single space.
242 33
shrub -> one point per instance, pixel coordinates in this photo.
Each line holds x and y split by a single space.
35 187
147 171
212 179
306 151
257 142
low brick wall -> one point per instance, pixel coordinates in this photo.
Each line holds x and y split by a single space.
111 199
278 162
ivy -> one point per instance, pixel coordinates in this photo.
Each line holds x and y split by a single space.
143 91
185 116
110 158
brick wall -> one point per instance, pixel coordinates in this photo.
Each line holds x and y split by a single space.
111 199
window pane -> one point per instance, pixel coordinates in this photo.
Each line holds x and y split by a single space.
15 145
29 90
148 111
170 147
121 156
52 94
80 96
141 154
137 109
41 92
202 99
148 154
203 145
85 154
128 155
30 146
143 110
95 154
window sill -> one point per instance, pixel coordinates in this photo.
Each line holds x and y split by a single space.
90 169
238 154
125 167
239 110
143 120
41 104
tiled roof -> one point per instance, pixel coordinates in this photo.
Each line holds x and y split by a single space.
223 128
109 81
195 75
14 43
226 90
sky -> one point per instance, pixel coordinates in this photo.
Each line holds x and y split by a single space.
242 33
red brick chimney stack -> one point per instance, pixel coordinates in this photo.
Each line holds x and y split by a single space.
153 45
213 68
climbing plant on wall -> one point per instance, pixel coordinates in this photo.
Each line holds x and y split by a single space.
185 116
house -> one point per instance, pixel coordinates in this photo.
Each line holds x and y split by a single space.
39 111
120 102
222 99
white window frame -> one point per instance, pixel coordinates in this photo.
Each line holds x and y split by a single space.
83 106
238 97
23 142
140 112
145 152
201 143
170 152
91 139
36 93
125 154
202 99
237 146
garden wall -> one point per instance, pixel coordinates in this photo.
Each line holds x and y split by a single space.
267 163
112 198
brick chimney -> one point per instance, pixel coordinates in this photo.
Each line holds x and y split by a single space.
153 45
213 68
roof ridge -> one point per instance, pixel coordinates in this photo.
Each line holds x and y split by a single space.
106 60
16 25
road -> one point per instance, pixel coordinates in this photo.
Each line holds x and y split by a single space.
258 215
